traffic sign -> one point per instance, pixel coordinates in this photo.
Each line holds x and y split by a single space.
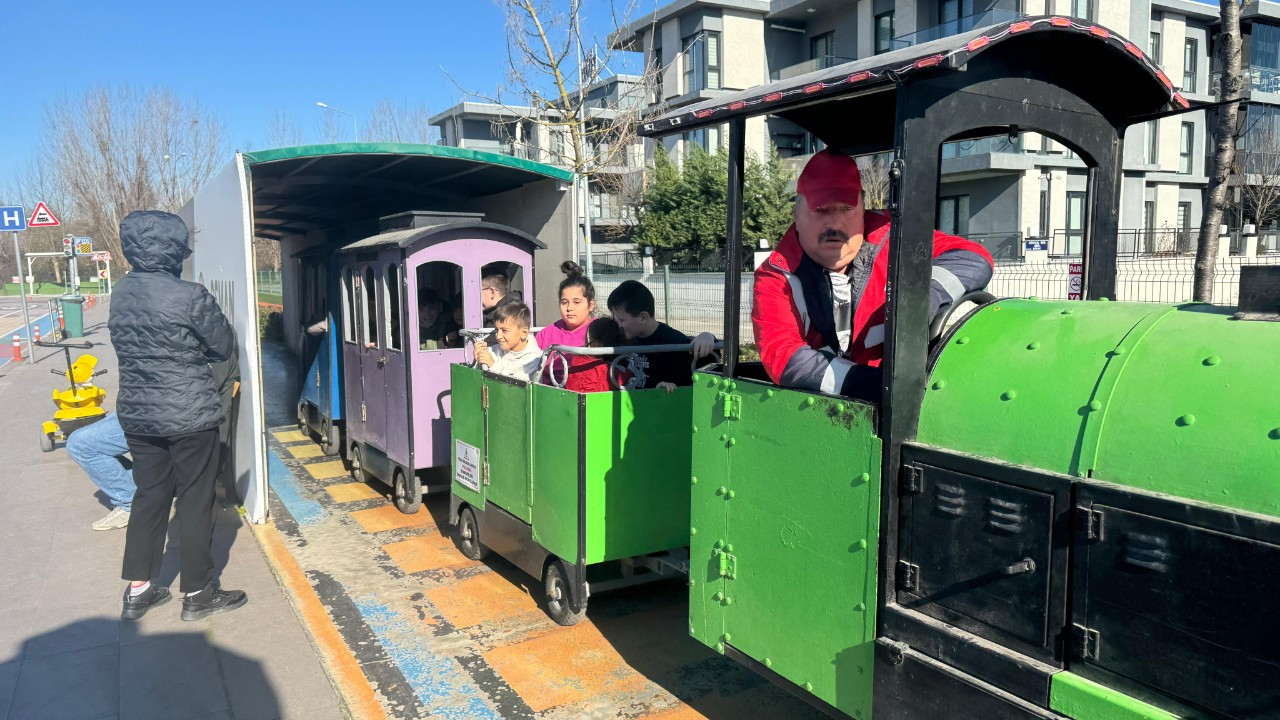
1075 281
13 219
84 245
102 256
67 248
102 274
41 217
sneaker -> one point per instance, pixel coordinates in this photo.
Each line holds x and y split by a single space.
117 518
136 607
212 599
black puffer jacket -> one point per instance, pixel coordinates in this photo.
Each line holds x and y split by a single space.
165 331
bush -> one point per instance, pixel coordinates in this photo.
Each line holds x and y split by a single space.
270 324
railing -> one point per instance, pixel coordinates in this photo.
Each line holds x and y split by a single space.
994 16
1003 246
981 146
1134 243
808 66
1259 79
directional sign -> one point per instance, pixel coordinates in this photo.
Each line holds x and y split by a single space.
13 219
84 245
102 274
41 217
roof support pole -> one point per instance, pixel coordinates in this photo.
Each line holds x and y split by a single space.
733 244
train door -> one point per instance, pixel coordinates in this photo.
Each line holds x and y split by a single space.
443 304
352 353
396 407
786 541
373 398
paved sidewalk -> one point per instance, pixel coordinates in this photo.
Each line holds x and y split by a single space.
64 653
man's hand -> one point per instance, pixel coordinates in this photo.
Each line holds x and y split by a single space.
669 387
703 344
483 356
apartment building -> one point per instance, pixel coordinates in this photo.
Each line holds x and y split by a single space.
996 191
522 132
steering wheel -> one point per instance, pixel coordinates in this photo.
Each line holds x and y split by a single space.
939 324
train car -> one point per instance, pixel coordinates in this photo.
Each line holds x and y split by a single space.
320 404
586 491
395 362
1062 509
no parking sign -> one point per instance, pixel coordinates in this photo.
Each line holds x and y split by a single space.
1075 281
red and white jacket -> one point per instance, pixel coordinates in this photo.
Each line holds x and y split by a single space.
791 342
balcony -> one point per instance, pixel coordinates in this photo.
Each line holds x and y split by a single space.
981 146
808 66
1257 79
994 16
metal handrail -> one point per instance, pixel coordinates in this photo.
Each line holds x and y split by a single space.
551 353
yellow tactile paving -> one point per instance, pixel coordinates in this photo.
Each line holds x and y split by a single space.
303 452
487 597
289 436
327 470
389 518
351 492
431 551
563 667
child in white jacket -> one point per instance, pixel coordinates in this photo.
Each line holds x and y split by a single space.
517 355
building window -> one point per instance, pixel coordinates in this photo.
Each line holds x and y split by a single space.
702 62
1264 46
1149 215
822 47
1184 215
1189 66
884 32
1154 48
1082 9
1044 213
950 12
1046 144
1153 143
1075 223
953 215
708 138
1184 150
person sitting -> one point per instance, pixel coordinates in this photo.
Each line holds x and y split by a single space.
517 355
434 325
632 306
818 307
454 339
98 449
590 373
495 290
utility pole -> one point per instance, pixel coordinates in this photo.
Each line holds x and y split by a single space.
26 314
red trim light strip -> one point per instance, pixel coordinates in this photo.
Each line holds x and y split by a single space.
1164 79
1133 49
1180 101
928 62
811 89
978 42
773 97
1100 32
1060 22
737 105
858 77
1019 27
703 114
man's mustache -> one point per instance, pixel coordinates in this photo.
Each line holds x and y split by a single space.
833 235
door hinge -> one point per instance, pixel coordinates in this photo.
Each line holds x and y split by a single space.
363 417
912 479
732 406
484 396
908 575
728 564
484 472
1090 523
1087 642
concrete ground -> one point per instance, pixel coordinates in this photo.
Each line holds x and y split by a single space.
64 652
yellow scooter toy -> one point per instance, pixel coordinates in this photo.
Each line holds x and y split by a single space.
79 406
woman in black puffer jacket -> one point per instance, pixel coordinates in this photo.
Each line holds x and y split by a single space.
166 332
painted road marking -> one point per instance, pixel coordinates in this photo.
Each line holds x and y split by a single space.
304 510
290 436
431 551
487 597
327 470
351 492
563 667
303 452
388 517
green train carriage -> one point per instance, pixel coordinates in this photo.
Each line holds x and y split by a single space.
1058 509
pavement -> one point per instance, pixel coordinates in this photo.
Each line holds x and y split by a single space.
64 652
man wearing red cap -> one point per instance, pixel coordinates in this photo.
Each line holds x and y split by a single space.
818 309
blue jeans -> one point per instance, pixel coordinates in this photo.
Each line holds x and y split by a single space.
97 449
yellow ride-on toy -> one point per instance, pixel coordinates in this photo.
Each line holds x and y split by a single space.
79 406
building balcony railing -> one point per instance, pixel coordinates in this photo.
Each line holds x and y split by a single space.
994 16
1131 243
981 146
1257 79
808 66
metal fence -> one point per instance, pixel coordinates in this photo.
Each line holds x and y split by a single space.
269 283
689 299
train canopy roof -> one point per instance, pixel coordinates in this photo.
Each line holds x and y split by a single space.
314 187
853 106
405 238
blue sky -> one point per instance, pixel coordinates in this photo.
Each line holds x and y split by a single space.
246 60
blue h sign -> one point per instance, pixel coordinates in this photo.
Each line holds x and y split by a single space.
12 219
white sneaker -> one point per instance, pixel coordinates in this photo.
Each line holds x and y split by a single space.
117 518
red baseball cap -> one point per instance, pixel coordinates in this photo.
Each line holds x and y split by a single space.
828 178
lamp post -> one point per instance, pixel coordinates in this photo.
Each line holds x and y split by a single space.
354 126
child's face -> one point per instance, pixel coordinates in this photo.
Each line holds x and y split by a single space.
630 325
428 315
575 309
457 315
509 334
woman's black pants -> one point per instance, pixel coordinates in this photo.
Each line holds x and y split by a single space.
182 466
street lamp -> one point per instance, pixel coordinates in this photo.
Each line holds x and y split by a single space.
354 127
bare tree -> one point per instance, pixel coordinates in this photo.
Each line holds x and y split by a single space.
400 124
875 179
1258 173
282 131
331 128
266 254
1224 149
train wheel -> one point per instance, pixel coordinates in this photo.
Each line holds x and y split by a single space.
330 438
408 491
357 464
469 535
302 420
46 442
559 598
